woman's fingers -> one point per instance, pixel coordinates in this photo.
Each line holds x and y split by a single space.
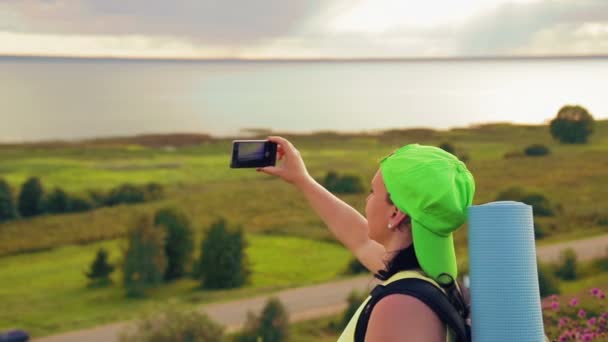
284 144
270 170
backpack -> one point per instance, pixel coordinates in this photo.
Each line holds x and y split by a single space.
429 294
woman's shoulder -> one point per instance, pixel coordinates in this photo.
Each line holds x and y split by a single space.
399 315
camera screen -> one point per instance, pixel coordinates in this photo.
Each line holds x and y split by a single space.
251 151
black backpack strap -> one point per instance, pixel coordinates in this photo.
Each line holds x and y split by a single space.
426 292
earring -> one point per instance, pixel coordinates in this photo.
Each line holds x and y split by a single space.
390 226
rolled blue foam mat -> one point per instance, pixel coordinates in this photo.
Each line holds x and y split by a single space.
505 298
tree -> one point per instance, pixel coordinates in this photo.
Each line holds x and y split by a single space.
101 269
547 282
144 259
179 243
7 205
271 326
31 198
223 262
567 269
57 201
572 125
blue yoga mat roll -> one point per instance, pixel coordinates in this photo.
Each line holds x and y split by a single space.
505 298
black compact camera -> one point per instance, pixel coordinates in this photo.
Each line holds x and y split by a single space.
253 153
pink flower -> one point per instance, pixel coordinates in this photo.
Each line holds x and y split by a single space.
586 337
555 306
595 291
582 313
573 302
591 321
562 322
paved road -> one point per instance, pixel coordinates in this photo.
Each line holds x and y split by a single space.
312 301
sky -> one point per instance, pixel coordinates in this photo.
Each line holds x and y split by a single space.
303 28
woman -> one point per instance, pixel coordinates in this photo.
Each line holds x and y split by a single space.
418 197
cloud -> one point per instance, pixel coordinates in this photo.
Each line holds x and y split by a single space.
222 22
525 27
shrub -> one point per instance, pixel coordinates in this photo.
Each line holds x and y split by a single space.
547 282
572 125
80 204
144 260
179 242
541 206
101 269
355 267
7 205
223 262
174 325
537 150
577 319
57 202
567 269
446 146
539 231
31 198
539 203
271 326
126 193
346 184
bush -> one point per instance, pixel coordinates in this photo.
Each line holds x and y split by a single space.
446 146
31 198
179 243
537 150
79 204
101 269
572 125
57 202
355 267
126 193
7 205
347 184
539 231
271 326
539 203
567 269
223 262
174 325
547 282
144 260
541 206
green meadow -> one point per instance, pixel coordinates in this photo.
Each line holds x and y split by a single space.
43 259
47 292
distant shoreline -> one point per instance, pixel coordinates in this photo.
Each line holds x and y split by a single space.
189 138
301 60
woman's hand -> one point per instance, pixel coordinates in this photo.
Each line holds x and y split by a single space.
292 168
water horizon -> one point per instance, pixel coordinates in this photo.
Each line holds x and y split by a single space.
73 99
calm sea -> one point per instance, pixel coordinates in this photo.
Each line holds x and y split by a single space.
70 98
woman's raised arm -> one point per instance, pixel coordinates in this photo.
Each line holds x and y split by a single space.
346 223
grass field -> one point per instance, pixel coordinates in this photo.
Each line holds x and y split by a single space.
42 260
47 292
198 181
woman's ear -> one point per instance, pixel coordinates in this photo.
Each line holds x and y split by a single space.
398 217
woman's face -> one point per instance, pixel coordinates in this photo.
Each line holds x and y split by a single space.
379 211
